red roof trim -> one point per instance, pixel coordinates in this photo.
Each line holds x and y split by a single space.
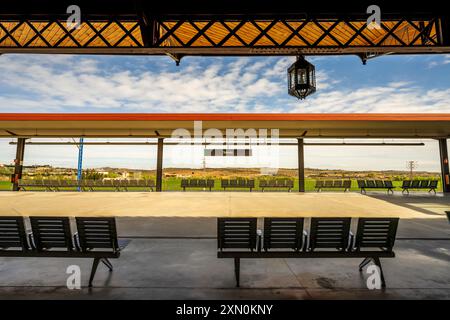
222 117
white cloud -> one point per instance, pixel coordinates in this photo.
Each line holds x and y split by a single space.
441 60
87 84
394 98
64 85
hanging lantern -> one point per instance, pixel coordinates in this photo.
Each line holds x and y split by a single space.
301 78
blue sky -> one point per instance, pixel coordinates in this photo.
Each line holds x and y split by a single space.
65 83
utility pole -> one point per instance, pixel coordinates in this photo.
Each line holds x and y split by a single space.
411 165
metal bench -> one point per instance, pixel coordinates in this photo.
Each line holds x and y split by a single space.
197 183
68 183
429 185
86 184
150 184
376 184
24 184
238 238
90 184
237 183
277 184
51 237
134 183
117 184
333 184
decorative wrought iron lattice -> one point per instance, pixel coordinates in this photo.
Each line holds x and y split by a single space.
118 32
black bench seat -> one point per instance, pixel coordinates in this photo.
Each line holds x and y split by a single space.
430 185
285 238
333 184
197 183
51 237
276 184
237 183
376 184
86 184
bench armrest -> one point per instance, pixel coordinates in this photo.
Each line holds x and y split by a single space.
30 239
76 241
351 242
259 234
305 241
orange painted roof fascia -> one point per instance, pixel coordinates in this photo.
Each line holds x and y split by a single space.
222 117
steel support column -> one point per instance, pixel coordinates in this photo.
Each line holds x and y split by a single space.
301 166
444 165
159 164
18 163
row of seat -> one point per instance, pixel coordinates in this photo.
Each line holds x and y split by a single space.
277 183
333 184
197 183
375 184
347 184
288 238
52 237
429 185
237 183
56 185
90 185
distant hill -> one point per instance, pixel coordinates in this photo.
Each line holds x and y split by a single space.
311 173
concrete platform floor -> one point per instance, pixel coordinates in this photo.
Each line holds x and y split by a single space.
225 204
172 253
189 269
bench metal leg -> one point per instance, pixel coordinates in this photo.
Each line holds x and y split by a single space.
237 268
107 263
364 263
378 263
93 270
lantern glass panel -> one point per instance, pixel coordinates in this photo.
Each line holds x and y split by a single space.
302 76
292 79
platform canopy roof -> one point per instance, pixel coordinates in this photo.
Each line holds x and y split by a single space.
163 125
224 27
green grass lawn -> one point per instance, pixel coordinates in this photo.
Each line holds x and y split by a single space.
173 184
5 185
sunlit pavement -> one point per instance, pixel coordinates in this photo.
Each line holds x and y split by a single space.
175 257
